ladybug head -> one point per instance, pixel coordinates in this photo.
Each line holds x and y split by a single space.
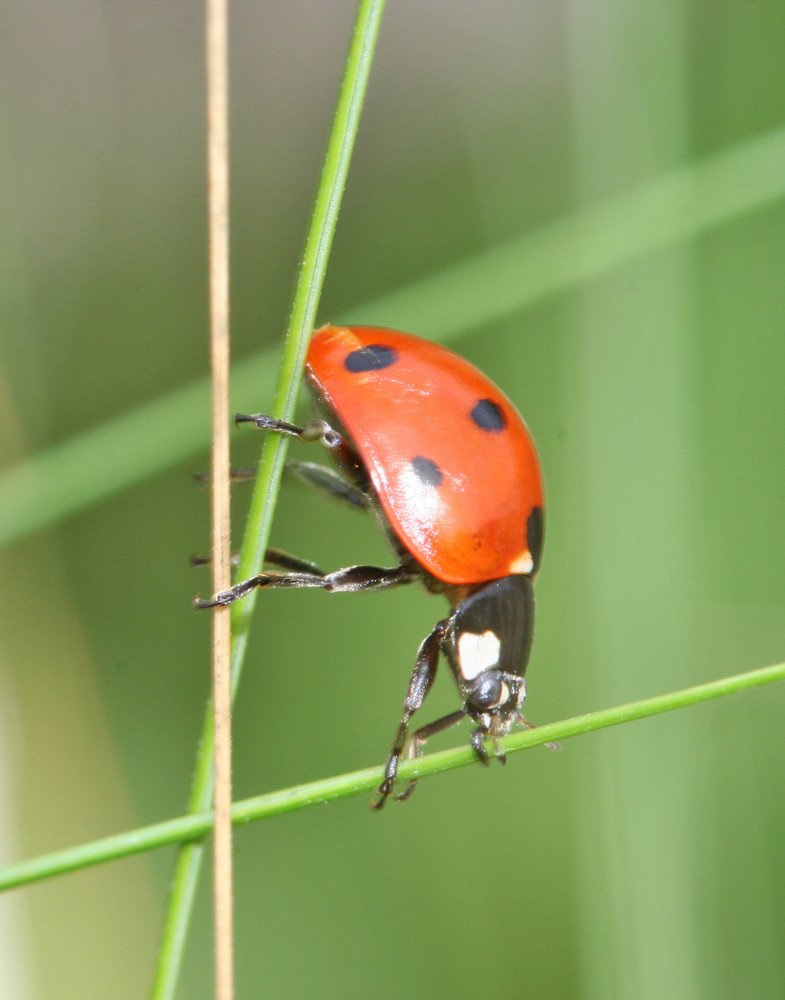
487 645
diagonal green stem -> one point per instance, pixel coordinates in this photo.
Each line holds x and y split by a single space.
670 209
301 322
189 827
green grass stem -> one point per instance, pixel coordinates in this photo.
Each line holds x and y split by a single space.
191 827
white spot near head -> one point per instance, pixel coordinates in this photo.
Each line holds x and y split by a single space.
523 563
478 653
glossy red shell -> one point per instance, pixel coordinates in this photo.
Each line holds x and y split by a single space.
458 492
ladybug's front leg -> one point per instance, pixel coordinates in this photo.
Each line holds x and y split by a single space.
421 736
420 683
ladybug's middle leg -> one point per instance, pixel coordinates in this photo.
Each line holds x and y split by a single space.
321 477
275 557
343 581
330 482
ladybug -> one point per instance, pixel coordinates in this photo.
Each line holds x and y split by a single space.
431 446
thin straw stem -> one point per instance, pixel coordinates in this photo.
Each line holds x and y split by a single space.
302 321
218 230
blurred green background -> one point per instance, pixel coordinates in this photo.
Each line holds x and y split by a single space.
641 862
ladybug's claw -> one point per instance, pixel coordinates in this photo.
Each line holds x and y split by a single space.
404 795
384 793
478 746
219 601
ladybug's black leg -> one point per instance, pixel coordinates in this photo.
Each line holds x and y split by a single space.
420 682
276 557
343 454
330 482
420 737
323 478
478 745
343 581
314 430
267 423
239 475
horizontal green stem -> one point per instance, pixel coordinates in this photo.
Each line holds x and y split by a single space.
193 827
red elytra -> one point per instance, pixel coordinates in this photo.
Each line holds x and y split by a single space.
450 458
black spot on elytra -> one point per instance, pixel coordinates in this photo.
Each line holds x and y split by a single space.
489 416
535 535
371 358
427 471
